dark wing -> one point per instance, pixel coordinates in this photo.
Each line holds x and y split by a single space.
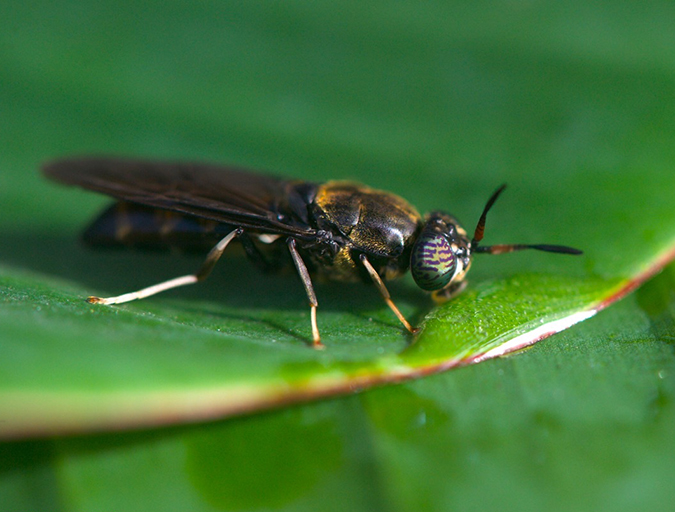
224 194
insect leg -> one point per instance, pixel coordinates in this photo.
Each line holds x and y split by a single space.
203 272
385 293
313 304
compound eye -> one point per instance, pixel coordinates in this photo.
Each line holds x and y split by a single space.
433 262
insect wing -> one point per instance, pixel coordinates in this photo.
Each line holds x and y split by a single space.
232 196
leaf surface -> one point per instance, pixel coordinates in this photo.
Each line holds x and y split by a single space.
586 149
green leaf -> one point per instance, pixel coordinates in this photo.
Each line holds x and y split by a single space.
239 343
582 421
570 104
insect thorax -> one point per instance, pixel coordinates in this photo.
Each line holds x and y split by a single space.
362 220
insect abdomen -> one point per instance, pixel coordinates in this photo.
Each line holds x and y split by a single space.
131 225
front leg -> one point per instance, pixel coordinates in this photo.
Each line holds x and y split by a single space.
385 293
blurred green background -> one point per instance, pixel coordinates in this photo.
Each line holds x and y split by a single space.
570 103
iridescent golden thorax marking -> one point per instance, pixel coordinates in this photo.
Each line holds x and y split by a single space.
378 223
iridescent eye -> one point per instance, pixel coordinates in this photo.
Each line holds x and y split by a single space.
433 263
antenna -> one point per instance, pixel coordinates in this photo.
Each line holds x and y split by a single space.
500 249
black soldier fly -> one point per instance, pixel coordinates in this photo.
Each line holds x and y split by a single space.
339 230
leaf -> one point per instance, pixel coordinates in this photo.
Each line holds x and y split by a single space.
571 104
583 421
69 366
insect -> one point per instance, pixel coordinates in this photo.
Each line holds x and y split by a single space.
337 230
